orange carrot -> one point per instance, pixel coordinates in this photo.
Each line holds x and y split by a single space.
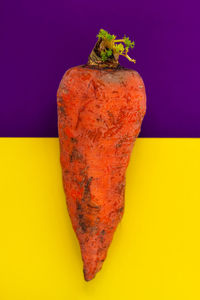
101 106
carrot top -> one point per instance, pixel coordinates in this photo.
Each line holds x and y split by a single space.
108 49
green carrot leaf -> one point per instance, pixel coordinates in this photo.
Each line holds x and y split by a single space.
111 47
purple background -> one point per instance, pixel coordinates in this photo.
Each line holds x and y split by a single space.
40 40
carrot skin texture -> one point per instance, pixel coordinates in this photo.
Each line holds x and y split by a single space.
100 112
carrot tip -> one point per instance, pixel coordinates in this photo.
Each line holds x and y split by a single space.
87 278
89 273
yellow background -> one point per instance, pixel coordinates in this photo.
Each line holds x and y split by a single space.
156 248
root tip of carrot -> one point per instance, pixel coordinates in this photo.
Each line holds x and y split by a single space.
88 278
90 274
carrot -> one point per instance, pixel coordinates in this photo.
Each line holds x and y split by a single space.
101 106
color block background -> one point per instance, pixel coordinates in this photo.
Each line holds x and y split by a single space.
155 251
41 39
